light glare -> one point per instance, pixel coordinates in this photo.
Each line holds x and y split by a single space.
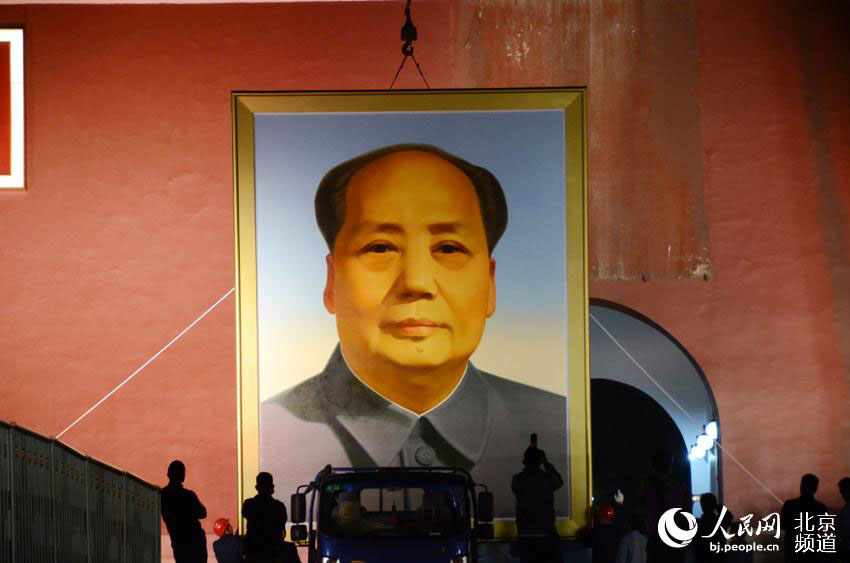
705 442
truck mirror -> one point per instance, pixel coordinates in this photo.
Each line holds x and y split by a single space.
298 532
298 503
485 506
484 532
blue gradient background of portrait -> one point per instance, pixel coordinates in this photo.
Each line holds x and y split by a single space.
526 338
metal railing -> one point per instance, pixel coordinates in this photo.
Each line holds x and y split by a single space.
58 506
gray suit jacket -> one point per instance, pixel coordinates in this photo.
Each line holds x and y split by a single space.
484 427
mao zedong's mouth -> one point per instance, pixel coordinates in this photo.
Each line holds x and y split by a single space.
412 327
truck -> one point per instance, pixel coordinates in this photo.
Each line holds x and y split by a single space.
392 514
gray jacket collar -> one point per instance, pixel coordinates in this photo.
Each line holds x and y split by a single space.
381 427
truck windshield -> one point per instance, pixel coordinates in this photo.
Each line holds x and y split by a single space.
369 509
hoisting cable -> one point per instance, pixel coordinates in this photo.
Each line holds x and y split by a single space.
408 35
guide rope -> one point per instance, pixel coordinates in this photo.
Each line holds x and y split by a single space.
680 407
144 365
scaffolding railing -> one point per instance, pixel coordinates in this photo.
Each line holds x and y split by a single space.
59 506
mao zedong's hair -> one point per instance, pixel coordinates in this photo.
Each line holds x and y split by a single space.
330 196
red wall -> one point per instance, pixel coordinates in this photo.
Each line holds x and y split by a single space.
721 130
772 328
125 233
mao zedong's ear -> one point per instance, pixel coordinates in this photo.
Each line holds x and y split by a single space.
328 296
491 298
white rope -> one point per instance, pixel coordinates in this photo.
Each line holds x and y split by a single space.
747 471
646 373
144 365
680 407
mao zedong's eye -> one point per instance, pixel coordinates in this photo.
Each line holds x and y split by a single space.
378 248
451 254
378 255
450 248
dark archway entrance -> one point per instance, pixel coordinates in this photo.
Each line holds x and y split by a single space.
628 426
649 364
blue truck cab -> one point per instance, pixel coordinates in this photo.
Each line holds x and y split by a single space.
387 515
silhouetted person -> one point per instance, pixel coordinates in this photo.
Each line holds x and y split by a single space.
632 548
266 518
535 488
842 524
605 536
806 505
182 512
228 546
659 493
706 523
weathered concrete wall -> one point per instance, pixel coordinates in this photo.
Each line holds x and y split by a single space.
770 329
640 64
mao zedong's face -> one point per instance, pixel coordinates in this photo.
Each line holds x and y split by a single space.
410 279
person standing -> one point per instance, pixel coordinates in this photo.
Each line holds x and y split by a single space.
706 524
534 488
182 511
266 518
632 548
843 524
660 492
605 536
805 508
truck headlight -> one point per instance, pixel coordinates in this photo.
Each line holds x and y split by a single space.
329 560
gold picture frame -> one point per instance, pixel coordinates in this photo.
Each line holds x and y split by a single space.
247 107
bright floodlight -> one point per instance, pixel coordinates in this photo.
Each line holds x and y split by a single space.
696 453
711 430
705 442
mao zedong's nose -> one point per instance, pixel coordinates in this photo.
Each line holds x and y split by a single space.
416 279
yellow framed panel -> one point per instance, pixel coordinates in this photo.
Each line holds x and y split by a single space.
571 101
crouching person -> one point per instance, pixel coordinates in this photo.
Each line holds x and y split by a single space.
228 546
